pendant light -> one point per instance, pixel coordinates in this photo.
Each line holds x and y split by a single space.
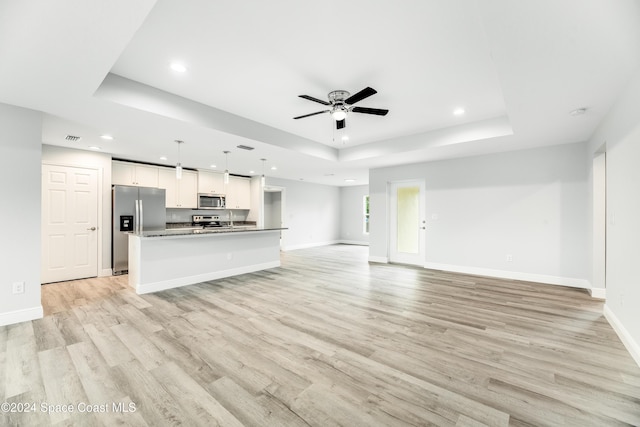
179 165
262 178
226 167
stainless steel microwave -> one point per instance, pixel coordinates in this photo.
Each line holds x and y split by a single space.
211 201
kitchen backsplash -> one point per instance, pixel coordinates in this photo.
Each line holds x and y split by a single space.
184 215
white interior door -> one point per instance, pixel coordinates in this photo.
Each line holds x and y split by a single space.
407 223
69 223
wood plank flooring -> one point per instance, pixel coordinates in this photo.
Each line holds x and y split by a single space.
325 340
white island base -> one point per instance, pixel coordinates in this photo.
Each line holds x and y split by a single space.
163 262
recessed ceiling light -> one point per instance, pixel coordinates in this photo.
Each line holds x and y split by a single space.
252 171
458 111
578 111
345 138
273 168
178 67
213 166
93 147
349 180
163 158
107 137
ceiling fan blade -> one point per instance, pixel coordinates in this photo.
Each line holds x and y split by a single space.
364 93
340 124
312 114
311 98
376 111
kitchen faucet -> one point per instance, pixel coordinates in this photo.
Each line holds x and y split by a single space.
231 218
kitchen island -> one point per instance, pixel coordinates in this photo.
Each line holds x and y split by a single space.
166 259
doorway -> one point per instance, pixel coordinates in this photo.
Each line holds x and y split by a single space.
273 209
69 223
407 223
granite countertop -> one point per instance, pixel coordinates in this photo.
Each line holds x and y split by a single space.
204 231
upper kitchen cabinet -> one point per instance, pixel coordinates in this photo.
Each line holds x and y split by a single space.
238 193
210 182
125 173
180 193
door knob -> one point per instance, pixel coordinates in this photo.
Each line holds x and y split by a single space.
91 229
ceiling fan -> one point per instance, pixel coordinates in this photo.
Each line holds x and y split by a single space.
341 103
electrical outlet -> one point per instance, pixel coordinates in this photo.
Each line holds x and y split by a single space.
509 258
18 287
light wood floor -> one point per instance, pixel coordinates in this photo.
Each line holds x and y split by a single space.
325 340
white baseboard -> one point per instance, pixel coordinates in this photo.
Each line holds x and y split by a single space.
600 293
105 272
632 346
309 245
513 275
380 259
24 315
192 280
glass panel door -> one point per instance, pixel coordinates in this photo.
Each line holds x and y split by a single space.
407 223
408 208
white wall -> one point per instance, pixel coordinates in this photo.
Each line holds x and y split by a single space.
351 214
102 163
20 182
311 213
531 204
620 130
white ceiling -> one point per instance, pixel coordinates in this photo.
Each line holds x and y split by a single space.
517 68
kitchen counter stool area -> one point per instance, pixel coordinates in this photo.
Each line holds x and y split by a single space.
160 261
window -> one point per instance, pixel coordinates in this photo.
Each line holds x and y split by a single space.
365 212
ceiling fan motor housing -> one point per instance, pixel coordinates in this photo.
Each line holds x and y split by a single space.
338 96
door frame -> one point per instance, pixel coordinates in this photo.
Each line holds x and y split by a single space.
392 215
599 196
100 195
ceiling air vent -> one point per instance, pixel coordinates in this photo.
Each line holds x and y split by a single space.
245 147
72 138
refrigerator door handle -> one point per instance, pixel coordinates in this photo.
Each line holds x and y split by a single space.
136 218
141 220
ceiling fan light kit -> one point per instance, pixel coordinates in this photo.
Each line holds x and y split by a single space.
341 103
339 113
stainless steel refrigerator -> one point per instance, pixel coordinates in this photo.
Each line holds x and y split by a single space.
133 209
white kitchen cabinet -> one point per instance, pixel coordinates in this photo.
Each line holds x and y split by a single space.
211 182
125 173
180 193
238 193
